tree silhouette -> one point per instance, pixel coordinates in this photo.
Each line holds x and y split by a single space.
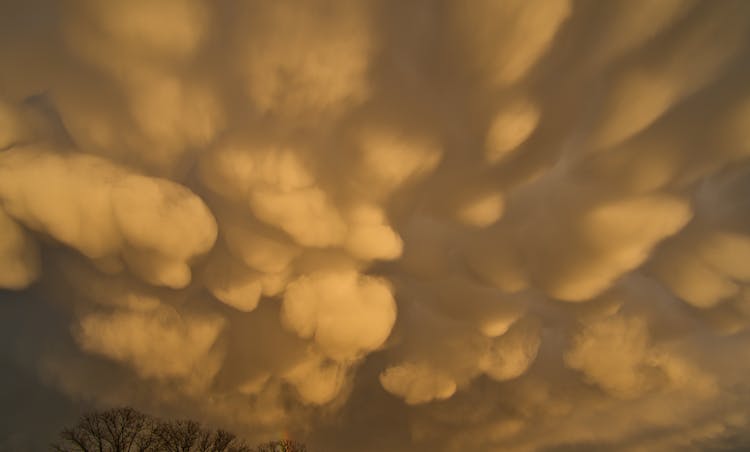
282 446
190 436
115 430
127 430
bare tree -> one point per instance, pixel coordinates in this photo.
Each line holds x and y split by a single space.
127 430
190 436
285 445
115 430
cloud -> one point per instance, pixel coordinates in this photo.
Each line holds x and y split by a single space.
108 213
504 39
417 383
19 256
510 355
302 61
510 127
345 313
497 225
157 343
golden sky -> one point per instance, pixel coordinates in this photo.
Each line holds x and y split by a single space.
379 225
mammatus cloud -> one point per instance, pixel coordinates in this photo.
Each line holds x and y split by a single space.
382 225
19 256
107 213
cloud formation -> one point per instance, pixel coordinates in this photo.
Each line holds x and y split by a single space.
377 225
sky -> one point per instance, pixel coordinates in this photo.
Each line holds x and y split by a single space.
378 225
